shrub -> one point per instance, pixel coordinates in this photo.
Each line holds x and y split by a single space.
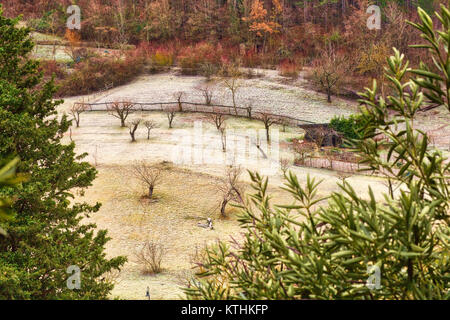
94 74
288 68
194 58
162 58
39 25
251 59
208 70
150 257
51 67
303 151
350 127
42 24
188 64
157 56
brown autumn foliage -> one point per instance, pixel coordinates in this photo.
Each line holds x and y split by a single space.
204 36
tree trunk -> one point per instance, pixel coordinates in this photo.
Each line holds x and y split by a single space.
329 95
223 207
122 122
268 134
150 191
224 141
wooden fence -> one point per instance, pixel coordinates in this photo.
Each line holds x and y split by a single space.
314 162
331 164
203 108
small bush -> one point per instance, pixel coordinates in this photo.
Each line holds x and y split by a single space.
162 58
288 68
194 59
83 54
38 25
251 59
51 67
157 57
208 70
42 24
150 257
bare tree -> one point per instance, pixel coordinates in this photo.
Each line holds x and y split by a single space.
133 126
150 125
284 123
343 176
249 107
170 116
53 24
303 150
268 121
120 20
207 92
217 119
73 43
149 175
179 96
231 188
329 154
328 72
120 110
285 164
76 111
150 257
233 83
223 138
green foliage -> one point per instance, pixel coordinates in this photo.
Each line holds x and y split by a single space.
162 59
310 251
46 236
42 24
350 127
436 79
8 177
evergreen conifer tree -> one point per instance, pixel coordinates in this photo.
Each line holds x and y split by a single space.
46 235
